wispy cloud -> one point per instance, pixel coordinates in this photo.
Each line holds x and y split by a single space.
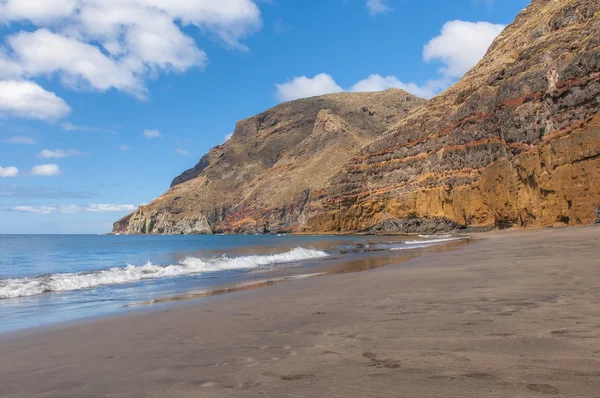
124 147
59 153
73 208
376 7
87 129
183 152
34 191
18 139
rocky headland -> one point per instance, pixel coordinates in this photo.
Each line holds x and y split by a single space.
514 143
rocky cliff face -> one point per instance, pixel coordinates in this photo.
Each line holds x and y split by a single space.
515 143
260 180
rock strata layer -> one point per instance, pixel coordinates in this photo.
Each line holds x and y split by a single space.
261 179
515 143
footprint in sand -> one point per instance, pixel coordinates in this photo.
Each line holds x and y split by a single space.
381 363
543 388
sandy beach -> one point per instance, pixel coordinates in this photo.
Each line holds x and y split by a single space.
515 314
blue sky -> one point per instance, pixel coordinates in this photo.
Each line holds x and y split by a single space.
103 102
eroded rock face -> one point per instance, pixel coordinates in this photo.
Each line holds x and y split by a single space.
515 143
261 179
148 221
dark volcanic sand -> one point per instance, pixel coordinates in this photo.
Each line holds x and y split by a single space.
514 315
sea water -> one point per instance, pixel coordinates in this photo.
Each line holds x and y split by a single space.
47 279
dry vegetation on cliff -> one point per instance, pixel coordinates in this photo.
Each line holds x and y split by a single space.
516 142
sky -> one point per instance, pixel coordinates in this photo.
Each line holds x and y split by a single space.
104 102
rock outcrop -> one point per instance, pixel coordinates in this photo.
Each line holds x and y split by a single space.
515 143
261 179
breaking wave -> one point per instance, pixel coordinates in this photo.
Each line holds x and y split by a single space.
13 288
419 244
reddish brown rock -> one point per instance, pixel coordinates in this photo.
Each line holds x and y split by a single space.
515 143
260 180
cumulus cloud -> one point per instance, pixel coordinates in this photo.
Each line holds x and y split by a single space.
59 153
17 139
10 171
46 170
379 83
148 133
302 87
378 7
72 209
102 45
461 45
27 99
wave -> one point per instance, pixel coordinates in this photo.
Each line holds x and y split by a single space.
13 288
420 244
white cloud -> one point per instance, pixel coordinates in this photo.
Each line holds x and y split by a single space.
124 147
87 129
302 87
98 208
378 7
10 171
59 153
228 137
20 140
140 36
151 133
111 44
28 100
36 209
46 170
461 45
183 151
72 209
379 83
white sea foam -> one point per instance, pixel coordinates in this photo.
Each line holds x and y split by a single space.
419 244
13 288
431 241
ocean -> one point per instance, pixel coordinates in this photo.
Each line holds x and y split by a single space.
51 279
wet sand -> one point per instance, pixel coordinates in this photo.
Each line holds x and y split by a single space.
514 315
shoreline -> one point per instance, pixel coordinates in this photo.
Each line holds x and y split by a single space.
514 314
358 259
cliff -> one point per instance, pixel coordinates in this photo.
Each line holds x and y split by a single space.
260 180
515 143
